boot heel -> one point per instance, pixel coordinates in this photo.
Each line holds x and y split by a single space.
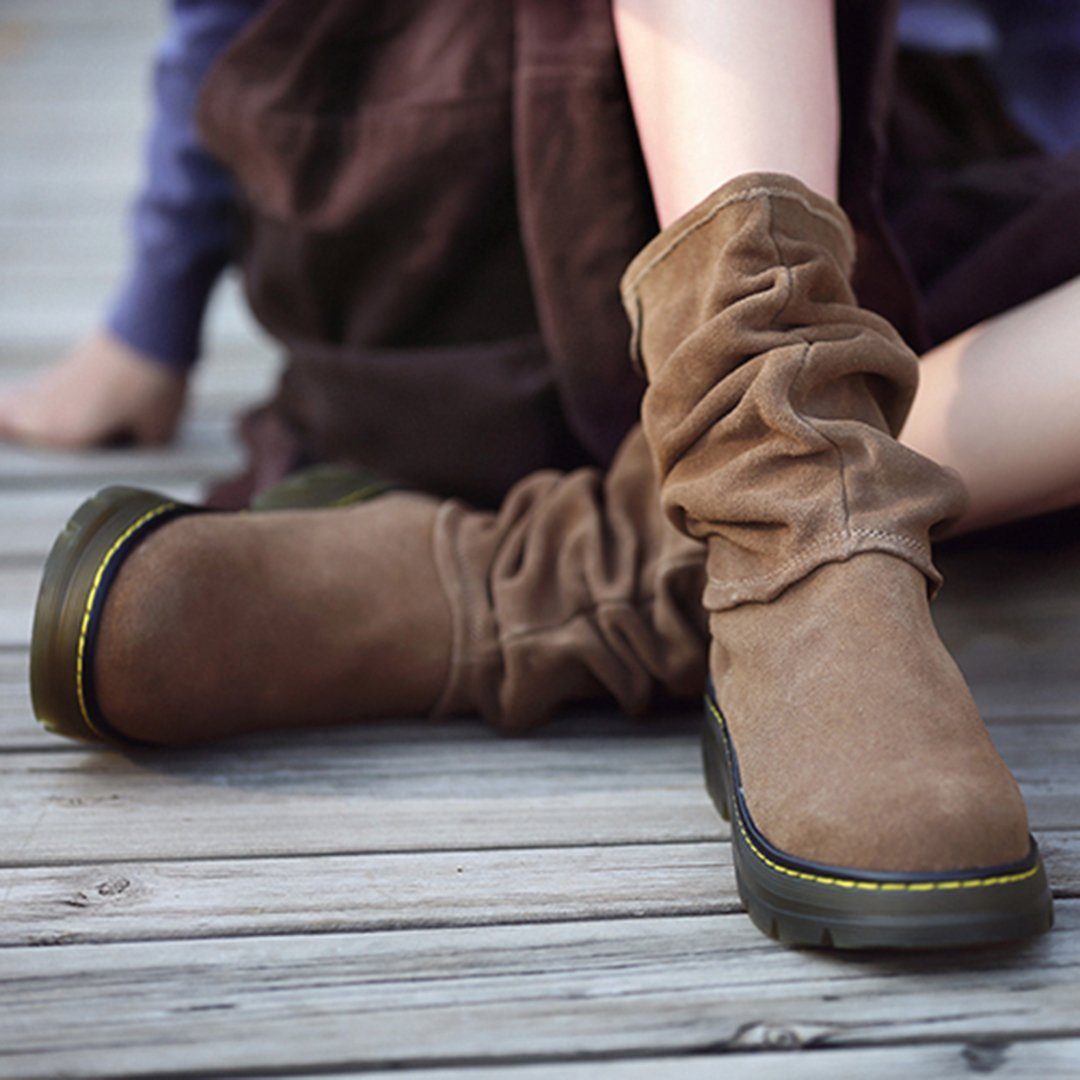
78 572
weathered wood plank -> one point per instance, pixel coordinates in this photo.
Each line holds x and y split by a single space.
31 519
333 893
279 822
58 115
125 16
1010 612
421 794
205 449
227 898
18 594
42 177
1048 1059
18 729
41 244
563 990
50 317
391 787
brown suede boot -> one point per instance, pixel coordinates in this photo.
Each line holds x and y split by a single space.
215 624
868 804
577 588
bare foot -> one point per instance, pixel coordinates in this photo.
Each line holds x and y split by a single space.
102 392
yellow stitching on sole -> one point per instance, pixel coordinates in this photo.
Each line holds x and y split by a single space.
94 586
872 886
374 488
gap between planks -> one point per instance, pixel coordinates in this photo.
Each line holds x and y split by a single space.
507 994
1048 1059
255 897
415 795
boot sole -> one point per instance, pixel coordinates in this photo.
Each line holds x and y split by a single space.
78 572
323 487
809 904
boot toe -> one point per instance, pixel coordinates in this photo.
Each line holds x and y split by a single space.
942 821
919 867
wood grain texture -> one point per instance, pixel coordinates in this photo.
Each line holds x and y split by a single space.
356 893
492 994
147 901
396 787
80 808
1056 1059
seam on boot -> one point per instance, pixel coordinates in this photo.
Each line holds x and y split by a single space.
848 534
836 547
750 195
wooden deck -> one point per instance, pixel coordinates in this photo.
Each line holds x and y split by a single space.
432 899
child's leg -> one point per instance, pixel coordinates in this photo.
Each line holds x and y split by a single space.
723 89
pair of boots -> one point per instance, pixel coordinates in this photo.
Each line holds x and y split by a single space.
868 805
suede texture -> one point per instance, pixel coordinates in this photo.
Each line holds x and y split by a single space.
859 744
771 412
577 588
773 398
224 623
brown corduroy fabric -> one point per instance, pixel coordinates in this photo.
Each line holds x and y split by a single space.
771 411
438 199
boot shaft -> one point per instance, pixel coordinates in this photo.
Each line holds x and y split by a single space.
774 399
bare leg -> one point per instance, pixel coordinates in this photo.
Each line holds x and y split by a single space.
724 89
999 403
